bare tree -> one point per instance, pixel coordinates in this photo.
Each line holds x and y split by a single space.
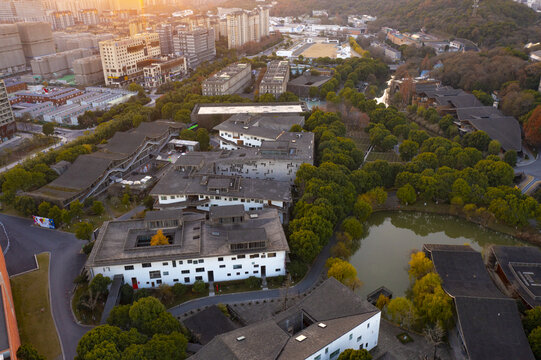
434 334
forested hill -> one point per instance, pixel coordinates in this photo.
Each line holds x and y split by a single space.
498 22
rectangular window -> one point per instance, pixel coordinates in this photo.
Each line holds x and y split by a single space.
222 266
201 261
185 271
246 272
158 282
256 272
145 265
180 262
326 350
198 278
186 279
220 259
229 274
350 336
271 255
277 270
128 267
367 325
359 338
237 266
155 274
175 280
238 273
253 256
334 354
199 269
256 265
165 263
165 273
317 357
174 263
189 261
241 256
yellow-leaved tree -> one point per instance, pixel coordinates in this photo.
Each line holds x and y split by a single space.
159 239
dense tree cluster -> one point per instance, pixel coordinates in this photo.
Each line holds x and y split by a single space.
143 330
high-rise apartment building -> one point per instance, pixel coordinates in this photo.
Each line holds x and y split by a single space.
62 19
123 60
197 46
11 50
244 26
89 16
7 121
21 10
165 32
36 39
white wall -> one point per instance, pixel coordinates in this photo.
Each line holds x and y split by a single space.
364 336
272 169
223 270
249 140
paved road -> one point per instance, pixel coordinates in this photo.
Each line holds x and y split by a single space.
66 263
309 281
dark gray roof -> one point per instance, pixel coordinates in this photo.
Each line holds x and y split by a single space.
458 101
163 214
209 323
467 113
331 303
226 211
491 329
529 256
309 80
504 129
463 273
267 126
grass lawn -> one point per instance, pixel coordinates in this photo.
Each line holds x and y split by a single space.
32 307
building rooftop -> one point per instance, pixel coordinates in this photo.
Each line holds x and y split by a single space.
521 266
209 323
224 75
276 73
331 303
250 108
266 126
120 242
307 79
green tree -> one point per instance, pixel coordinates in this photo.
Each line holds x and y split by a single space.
179 289
253 282
433 305
187 134
343 271
76 209
351 354
183 115
202 136
48 128
25 205
532 319
305 244
126 199
43 209
166 347
56 214
266 98
406 195
510 157
535 342
83 230
120 317
353 227
483 97
296 128
199 287
28 352
97 207
362 209
144 312
288 97
97 289
476 139
313 92
494 147
134 87
148 201
408 149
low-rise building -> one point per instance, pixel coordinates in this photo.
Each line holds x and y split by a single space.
228 81
33 110
66 114
245 130
58 96
231 245
164 71
301 85
389 52
322 325
275 79
92 174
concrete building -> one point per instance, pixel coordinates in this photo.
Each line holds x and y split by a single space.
88 70
62 20
231 245
92 174
12 58
12 11
89 16
164 71
7 121
36 39
210 115
388 51
244 26
71 41
165 32
230 80
275 79
196 45
56 65
66 114
301 85
58 96
34 110
123 60
322 325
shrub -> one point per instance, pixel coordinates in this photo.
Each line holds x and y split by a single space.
199 287
126 294
179 289
253 282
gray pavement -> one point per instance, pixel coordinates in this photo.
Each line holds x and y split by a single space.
66 263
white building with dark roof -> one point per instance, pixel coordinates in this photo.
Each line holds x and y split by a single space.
231 245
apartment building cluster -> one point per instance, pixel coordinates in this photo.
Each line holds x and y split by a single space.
245 26
196 45
234 78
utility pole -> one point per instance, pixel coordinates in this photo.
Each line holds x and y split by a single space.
475 7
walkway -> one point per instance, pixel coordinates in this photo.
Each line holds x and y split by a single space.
66 263
309 281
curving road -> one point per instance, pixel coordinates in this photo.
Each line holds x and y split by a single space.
308 282
25 240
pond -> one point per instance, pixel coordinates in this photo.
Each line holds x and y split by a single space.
383 255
